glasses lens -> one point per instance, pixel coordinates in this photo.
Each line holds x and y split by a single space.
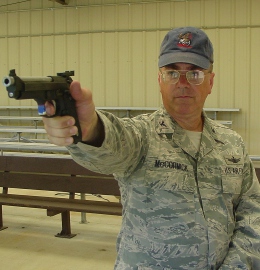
195 77
171 76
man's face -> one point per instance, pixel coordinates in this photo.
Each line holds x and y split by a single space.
183 98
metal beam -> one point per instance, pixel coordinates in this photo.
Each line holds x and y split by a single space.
63 2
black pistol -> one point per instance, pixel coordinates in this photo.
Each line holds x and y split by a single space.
51 88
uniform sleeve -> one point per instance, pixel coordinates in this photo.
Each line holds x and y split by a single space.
121 150
244 248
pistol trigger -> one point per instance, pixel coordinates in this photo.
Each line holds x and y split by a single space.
41 110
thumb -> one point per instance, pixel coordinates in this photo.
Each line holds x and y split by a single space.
76 91
80 95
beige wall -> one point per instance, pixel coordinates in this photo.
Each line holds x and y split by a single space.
113 48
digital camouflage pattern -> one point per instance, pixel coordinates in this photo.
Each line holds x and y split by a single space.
181 209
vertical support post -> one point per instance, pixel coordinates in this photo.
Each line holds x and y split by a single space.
66 228
65 220
2 227
1 216
83 214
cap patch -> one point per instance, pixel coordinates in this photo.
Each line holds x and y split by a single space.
185 40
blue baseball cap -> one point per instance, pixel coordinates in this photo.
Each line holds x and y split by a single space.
186 45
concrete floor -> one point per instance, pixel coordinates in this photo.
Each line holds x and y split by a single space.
29 242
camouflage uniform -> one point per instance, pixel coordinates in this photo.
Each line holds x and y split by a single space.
181 209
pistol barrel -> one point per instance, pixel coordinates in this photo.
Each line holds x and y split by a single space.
9 80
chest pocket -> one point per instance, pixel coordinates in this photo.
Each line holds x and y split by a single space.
170 200
170 189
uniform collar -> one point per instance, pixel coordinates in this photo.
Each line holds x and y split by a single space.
166 125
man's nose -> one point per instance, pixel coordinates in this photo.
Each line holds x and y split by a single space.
183 80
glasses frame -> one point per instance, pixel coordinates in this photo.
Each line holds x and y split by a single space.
180 73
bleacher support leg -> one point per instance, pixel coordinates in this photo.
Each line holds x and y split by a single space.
66 228
1 219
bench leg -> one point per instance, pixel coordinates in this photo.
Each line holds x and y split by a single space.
66 229
83 214
1 219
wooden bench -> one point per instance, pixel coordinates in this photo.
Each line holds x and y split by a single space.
258 173
256 162
57 173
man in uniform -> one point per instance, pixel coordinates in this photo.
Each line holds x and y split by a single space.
190 195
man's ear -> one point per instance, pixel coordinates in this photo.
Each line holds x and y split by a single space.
211 82
159 77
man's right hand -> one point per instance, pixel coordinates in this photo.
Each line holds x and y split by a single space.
60 129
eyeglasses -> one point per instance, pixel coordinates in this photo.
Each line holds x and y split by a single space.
195 77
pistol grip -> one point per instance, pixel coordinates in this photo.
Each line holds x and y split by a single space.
64 105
